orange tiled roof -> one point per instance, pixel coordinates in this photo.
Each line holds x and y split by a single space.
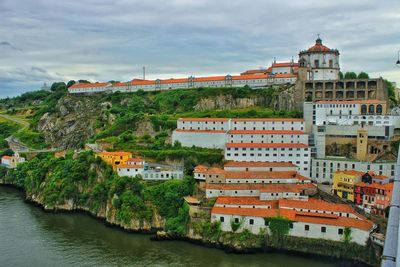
6 157
200 168
284 64
246 212
258 164
388 186
215 170
265 145
285 75
84 85
315 204
266 132
222 200
131 166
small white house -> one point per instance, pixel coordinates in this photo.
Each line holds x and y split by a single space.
12 161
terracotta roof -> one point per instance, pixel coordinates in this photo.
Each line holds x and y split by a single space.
285 75
215 170
388 186
130 166
6 157
266 132
349 172
366 101
199 131
222 200
269 119
135 160
265 145
258 164
115 153
315 204
246 212
339 221
249 72
378 176
200 168
319 47
203 119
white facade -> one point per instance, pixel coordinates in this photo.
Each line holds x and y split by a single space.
322 169
248 166
297 154
207 139
322 63
267 136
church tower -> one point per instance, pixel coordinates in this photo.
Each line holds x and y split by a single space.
323 62
362 144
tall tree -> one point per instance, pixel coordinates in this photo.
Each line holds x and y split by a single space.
350 75
363 75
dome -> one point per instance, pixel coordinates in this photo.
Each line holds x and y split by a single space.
319 47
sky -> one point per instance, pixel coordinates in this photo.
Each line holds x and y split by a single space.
101 40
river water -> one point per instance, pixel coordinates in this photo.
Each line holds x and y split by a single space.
31 237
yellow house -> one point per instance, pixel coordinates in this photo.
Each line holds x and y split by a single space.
344 181
115 158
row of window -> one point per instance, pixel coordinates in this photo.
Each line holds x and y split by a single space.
268 149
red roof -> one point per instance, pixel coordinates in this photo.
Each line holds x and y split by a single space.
115 153
6 157
284 64
315 204
266 132
135 160
319 47
265 145
267 188
258 164
85 85
222 200
388 186
200 168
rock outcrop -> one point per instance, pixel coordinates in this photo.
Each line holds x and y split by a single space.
72 121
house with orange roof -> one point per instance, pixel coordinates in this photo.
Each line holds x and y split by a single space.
12 161
307 219
373 197
114 158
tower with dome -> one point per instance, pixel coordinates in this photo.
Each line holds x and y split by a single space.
319 62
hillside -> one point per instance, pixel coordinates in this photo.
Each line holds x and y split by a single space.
139 122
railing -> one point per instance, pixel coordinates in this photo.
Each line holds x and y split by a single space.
391 250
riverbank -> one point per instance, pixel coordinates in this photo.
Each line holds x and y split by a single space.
238 243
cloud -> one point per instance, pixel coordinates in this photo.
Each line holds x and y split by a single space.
8 44
113 40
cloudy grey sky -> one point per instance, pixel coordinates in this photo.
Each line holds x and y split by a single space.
101 40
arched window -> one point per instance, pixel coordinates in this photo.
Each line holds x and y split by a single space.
371 109
379 109
363 109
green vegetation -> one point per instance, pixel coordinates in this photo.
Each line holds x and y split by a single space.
236 225
391 92
279 226
6 129
350 75
363 75
347 235
83 180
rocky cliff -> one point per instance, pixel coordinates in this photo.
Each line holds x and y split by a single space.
72 122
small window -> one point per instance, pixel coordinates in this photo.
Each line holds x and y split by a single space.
221 219
291 225
306 227
323 229
251 221
236 220
340 231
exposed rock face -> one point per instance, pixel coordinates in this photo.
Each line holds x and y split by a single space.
284 100
73 121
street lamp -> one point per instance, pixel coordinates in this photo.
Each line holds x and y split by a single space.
398 59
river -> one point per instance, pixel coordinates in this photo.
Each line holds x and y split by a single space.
31 237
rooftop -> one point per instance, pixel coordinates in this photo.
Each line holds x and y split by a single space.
266 145
266 132
258 164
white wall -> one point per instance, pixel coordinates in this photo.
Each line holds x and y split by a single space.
200 139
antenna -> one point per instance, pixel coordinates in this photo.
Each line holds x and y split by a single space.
144 73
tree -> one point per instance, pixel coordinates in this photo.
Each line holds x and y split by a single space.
340 75
58 86
350 75
83 81
363 75
70 83
391 92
